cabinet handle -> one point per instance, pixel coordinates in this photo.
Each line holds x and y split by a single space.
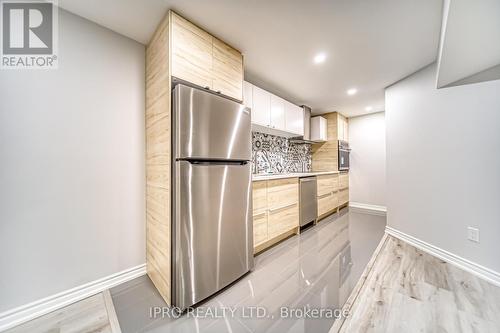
324 195
259 215
282 207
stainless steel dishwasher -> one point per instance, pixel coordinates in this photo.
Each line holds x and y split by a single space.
308 200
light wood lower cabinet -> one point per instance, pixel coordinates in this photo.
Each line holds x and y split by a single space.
343 196
333 191
260 233
343 180
325 203
282 219
275 211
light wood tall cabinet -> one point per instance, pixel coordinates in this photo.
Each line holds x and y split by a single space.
275 211
325 158
325 154
178 49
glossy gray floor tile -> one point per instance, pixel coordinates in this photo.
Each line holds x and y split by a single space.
303 271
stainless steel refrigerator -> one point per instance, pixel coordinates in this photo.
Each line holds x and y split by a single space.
212 237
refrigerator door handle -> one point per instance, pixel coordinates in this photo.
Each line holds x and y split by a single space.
213 162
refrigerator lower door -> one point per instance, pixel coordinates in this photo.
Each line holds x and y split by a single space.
213 234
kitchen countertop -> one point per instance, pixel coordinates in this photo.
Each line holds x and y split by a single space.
272 176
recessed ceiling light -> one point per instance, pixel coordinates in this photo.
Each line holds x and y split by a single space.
352 91
368 108
319 58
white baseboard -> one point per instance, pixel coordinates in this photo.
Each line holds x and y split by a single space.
24 313
374 209
467 265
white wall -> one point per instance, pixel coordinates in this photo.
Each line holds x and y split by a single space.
72 167
367 170
443 164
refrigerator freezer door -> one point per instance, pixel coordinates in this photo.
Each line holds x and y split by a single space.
213 240
211 127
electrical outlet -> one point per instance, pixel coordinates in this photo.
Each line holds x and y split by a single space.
473 234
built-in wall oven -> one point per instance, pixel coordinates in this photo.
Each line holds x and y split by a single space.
344 152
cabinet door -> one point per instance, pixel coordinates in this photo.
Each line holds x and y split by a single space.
247 94
227 70
191 52
277 113
343 180
318 129
260 234
259 195
334 200
294 118
261 111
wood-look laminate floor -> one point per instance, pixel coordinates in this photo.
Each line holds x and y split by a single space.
93 314
408 290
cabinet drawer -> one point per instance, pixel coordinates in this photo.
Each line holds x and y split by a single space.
259 193
343 196
281 220
259 228
343 180
325 204
325 184
191 52
282 192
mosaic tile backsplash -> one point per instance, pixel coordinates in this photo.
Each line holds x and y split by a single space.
276 154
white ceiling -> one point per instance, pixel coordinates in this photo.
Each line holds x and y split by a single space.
369 44
470 40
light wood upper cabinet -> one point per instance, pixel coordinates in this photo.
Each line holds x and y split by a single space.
261 110
191 52
277 113
204 60
227 70
294 118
